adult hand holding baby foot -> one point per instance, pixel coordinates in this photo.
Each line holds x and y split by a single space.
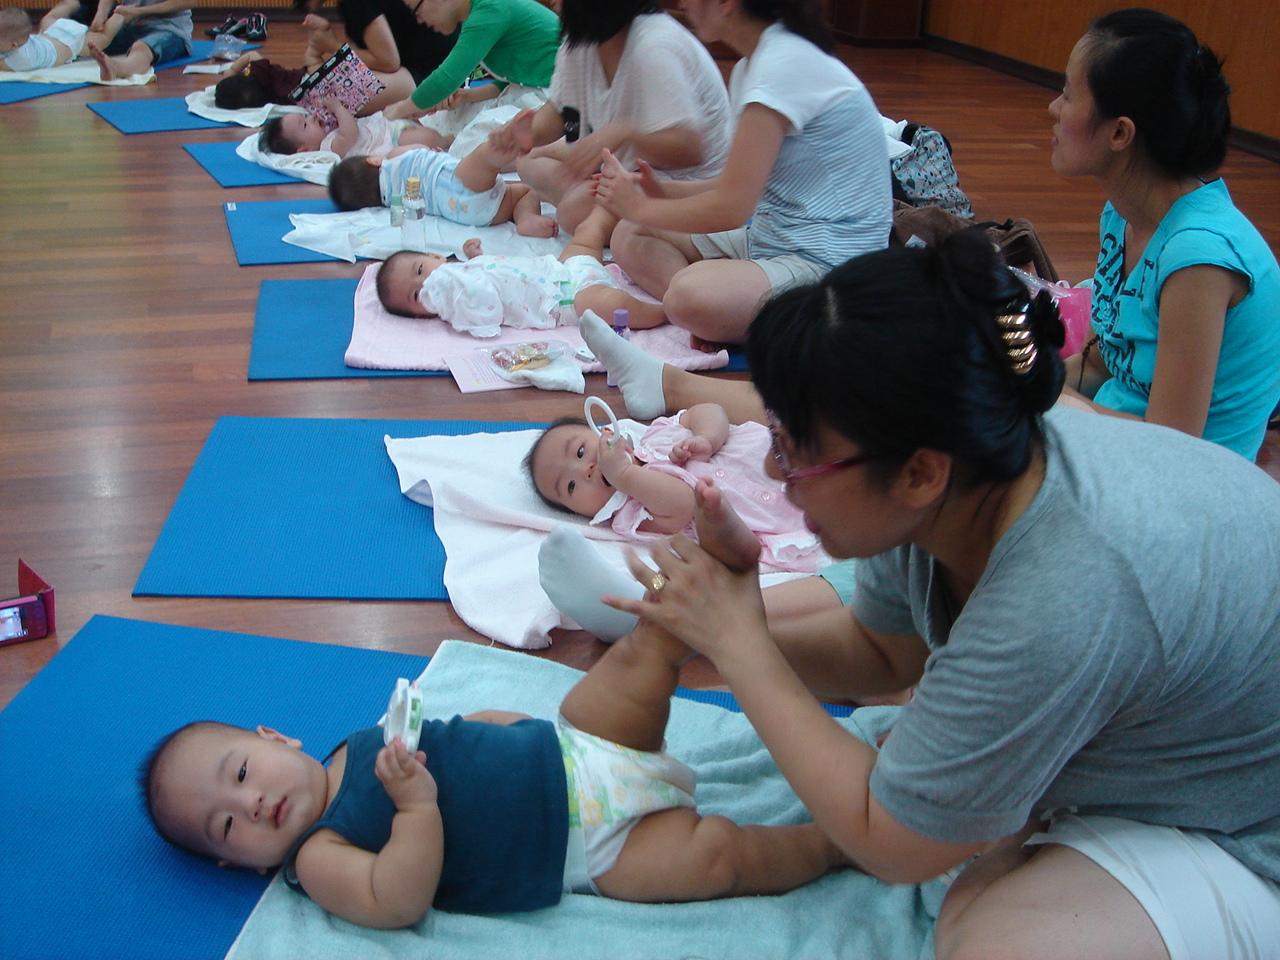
710 596
618 190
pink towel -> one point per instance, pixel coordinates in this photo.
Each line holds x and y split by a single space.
383 341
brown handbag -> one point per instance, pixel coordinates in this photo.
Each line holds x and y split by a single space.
1016 238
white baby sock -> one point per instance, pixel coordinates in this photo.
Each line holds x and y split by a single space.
575 577
638 374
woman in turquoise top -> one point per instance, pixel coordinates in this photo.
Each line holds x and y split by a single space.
1186 289
513 40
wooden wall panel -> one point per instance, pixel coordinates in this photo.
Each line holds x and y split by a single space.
1042 33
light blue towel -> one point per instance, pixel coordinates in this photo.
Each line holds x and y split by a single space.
846 914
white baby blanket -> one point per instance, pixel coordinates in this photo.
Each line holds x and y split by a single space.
845 914
77 71
313 166
368 233
471 124
383 341
201 103
491 522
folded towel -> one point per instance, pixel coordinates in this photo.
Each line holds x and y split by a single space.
384 341
77 71
491 522
845 914
201 103
368 233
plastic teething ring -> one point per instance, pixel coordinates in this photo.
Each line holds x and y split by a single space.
592 402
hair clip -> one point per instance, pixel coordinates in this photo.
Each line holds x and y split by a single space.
1018 341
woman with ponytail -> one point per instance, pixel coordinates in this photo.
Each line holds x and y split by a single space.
1093 747
807 166
1186 290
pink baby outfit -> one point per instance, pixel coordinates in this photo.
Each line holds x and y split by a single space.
737 469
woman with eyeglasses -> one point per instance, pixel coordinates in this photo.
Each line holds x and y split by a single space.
515 41
1086 605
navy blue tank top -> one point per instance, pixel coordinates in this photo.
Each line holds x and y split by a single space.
503 802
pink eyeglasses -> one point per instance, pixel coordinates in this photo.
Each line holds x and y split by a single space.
790 474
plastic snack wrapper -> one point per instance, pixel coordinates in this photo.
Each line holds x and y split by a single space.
546 364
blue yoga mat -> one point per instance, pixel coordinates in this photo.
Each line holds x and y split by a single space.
301 331
152 116
82 867
302 327
20 90
257 226
278 507
221 162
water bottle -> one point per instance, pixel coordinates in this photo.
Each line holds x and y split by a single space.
622 327
413 234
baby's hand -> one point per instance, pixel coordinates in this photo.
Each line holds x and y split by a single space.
405 776
692 448
472 248
613 460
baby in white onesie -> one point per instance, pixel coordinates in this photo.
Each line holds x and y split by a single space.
60 42
374 135
481 294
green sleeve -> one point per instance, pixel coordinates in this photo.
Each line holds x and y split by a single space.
480 31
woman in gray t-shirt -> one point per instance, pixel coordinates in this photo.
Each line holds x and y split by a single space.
1088 607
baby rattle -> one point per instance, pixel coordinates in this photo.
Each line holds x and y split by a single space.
404 715
593 403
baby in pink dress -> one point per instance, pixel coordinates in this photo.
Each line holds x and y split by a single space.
646 492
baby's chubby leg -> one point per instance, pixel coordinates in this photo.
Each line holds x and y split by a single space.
626 696
678 855
525 209
480 168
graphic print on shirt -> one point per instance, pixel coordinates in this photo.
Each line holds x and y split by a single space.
1115 349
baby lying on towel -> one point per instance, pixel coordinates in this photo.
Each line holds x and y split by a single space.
484 293
648 492
373 136
58 43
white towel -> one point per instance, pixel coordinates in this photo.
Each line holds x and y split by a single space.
77 71
845 914
491 522
201 103
368 233
471 124
313 166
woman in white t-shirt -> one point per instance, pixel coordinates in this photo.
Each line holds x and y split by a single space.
629 79
806 185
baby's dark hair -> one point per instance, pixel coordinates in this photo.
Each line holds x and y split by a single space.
384 282
152 766
904 349
354 184
240 92
273 139
533 452
1149 67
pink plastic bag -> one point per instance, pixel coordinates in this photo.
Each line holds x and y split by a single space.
1074 307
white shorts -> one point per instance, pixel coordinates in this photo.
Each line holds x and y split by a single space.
610 788
1204 902
39 53
782 272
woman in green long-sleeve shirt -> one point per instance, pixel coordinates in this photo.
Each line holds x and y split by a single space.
514 40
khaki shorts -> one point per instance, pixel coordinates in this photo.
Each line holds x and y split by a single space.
782 272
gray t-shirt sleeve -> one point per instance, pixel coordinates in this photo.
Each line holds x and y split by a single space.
1033 668
881 600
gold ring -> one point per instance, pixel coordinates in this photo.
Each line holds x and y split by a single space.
657 583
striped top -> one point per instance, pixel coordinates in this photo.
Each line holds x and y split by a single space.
829 196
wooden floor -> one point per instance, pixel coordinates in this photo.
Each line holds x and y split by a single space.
126 326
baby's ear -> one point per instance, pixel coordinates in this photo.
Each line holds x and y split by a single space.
373 161
269 733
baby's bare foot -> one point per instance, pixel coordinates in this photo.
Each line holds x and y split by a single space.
721 531
537 226
106 69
